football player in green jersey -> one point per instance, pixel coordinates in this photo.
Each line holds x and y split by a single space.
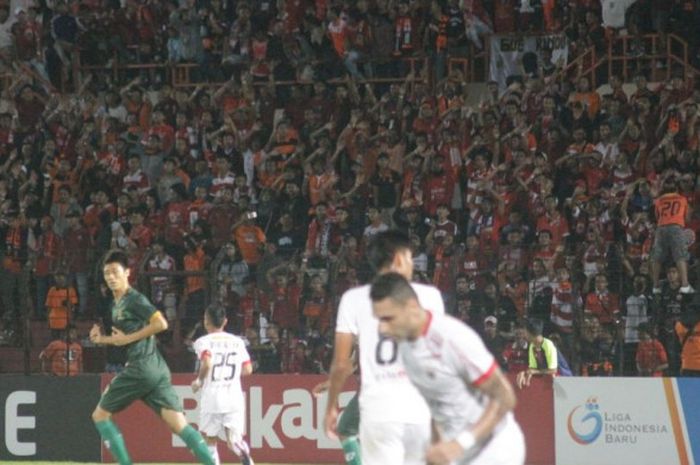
135 322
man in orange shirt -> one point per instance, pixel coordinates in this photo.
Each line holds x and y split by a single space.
60 302
651 357
688 332
194 260
589 98
672 212
249 238
64 355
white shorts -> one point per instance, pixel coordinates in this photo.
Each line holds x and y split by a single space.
506 448
215 424
393 443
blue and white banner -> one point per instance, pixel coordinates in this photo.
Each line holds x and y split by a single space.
619 421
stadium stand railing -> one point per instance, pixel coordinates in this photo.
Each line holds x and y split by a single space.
660 60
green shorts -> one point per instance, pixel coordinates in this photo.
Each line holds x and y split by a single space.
147 379
349 421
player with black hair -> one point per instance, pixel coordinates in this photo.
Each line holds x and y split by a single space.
394 422
471 401
223 359
135 322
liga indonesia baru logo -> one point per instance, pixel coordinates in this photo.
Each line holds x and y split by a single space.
589 422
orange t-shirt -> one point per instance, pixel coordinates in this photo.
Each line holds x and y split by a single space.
651 354
248 238
690 356
591 100
195 262
56 303
671 209
55 354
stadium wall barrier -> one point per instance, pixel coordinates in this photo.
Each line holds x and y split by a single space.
644 421
592 421
48 418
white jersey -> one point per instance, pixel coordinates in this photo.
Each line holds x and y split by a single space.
386 393
445 364
221 391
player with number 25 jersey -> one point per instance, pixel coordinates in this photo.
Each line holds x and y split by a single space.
223 359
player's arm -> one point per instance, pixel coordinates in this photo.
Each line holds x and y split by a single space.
501 400
341 369
204 370
247 368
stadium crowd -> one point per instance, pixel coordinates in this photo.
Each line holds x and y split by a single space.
536 203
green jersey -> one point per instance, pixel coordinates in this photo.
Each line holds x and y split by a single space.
130 314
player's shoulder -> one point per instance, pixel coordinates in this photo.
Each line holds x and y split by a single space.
453 329
136 297
424 288
220 336
356 293
430 297
353 299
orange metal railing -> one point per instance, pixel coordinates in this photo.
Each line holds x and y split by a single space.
584 65
660 59
181 74
474 67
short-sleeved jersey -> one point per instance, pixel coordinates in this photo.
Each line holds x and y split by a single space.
133 312
446 363
671 209
221 390
386 394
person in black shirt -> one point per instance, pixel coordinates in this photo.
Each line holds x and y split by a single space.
386 187
494 342
410 221
268 353
288 239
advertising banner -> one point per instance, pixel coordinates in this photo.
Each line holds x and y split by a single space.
507 53
284 423
48 418
604 421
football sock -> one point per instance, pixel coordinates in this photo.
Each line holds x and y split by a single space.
351 449
214 451
196 443
239 447
114 440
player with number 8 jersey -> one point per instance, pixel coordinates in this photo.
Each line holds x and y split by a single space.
394 418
